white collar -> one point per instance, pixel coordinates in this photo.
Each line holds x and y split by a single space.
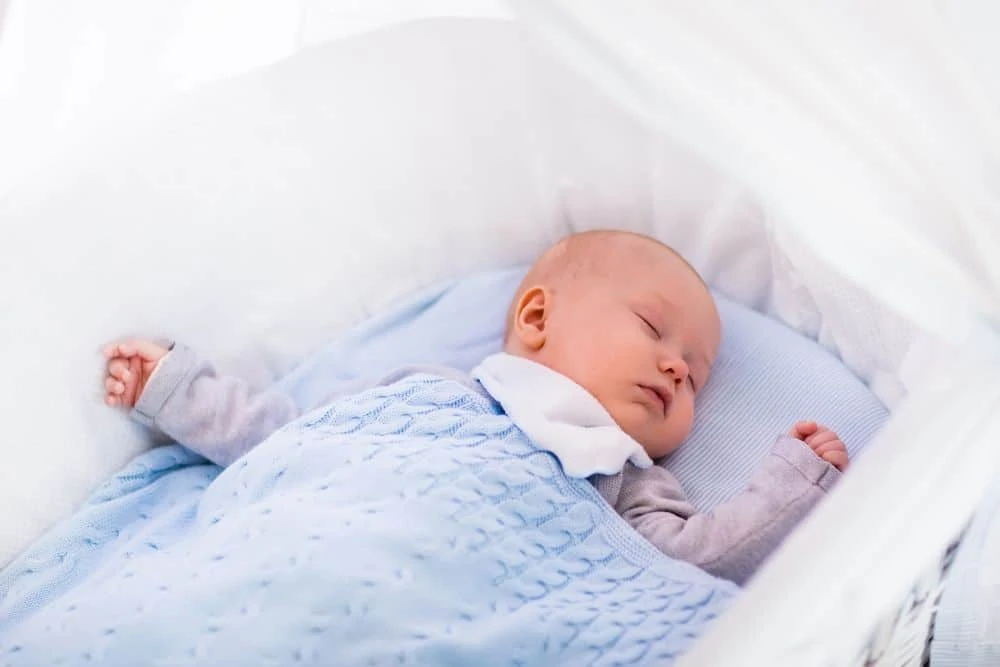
560 416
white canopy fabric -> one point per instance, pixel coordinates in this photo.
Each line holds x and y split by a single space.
64 64
870 136
859 125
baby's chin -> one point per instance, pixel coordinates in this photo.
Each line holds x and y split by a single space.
657 453
655 450
659 449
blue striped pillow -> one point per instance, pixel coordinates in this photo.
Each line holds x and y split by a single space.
766 377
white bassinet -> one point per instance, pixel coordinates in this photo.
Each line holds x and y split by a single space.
836 166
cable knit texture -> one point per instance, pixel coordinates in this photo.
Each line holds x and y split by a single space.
409 524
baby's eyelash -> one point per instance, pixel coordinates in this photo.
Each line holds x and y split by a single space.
650 325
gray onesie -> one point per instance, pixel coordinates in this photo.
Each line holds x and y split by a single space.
221 418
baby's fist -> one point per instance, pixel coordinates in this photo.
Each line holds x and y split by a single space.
130 365
825 443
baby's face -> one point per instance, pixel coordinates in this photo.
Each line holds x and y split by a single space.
641 339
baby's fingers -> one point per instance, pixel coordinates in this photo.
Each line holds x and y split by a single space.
147 350
828 446
114 387
803 429
118 368
116 350
133 373
822 438
837 458
122 381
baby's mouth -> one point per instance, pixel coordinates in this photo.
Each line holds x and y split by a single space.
659 395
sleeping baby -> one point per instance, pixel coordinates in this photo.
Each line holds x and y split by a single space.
610 337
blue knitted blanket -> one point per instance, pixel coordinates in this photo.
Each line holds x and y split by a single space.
410 524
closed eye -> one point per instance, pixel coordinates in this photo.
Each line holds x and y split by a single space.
691 382
653 329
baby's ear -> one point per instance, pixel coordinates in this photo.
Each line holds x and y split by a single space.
529 317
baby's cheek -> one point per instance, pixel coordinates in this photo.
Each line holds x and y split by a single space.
684 418
634 419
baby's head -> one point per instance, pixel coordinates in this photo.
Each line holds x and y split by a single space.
626 318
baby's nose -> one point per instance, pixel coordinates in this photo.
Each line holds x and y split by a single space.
675 366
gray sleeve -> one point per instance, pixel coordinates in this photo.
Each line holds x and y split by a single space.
734 538
222 417
219 417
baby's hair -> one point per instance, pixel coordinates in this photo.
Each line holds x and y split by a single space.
574 257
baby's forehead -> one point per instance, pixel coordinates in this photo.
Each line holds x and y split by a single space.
648 267
622 260
611 257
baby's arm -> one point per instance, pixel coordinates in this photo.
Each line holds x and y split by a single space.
733 539
173 390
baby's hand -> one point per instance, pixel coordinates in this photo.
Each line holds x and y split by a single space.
824 442
130 365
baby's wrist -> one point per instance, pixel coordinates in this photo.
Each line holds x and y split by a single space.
171 370
156 368
799 455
